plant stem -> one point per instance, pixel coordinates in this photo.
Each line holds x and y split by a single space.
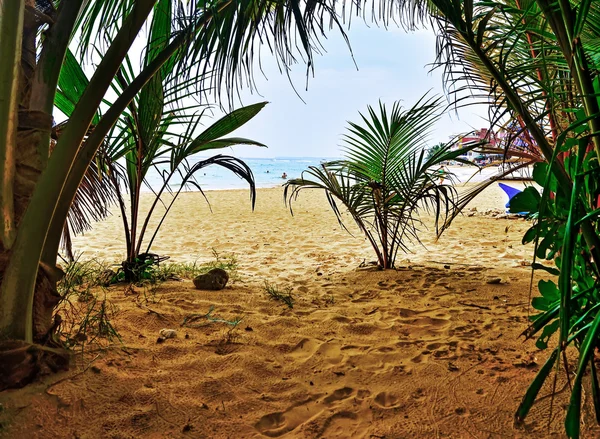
18 283
11 31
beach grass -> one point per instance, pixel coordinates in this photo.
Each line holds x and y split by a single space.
280 294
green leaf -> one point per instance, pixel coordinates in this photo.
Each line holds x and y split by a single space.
226 142
526 201
227 124
549 290
540 171
71 85
573 419
535 387
551 270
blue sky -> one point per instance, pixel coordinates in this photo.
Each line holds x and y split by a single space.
392 65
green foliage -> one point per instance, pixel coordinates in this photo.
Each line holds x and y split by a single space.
526 201
184 270
159 130
435 149
386 178
275 293
536 63
570 308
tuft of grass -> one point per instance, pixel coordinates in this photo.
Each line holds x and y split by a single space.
284 295
190 320
84 317
81 276
231 337
170 271
88 323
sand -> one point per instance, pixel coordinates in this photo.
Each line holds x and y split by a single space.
430 350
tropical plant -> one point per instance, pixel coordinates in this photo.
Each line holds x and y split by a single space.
207 44
435 149
148 136
145 137
386 177
536 62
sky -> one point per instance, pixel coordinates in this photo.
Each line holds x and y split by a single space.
392 65
388 65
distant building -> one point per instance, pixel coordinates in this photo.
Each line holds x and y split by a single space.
482 135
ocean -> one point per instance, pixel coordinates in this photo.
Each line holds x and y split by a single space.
268 173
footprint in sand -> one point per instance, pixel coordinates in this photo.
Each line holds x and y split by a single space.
343 424
386 400
279 423
425 324
329 352
305 349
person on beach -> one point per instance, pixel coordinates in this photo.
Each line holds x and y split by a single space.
441 173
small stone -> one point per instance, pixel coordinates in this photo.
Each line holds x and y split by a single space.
160 340
95 369
215 279
167 333
493 281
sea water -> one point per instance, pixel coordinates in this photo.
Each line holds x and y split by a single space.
268 172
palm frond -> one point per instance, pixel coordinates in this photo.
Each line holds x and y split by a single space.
385 179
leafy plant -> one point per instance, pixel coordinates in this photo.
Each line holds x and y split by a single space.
168 271
387 176
537 63
157 130
206 45
276 293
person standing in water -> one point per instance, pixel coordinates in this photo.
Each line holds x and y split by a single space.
284 175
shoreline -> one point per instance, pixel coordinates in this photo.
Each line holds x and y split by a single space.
460 175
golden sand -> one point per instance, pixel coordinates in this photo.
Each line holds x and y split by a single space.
430 350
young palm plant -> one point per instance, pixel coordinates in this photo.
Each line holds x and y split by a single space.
206 44
387 177
158 130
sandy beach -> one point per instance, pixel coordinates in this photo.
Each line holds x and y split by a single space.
430 350
269 242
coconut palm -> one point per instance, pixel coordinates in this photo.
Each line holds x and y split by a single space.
206 44
388 177
537 63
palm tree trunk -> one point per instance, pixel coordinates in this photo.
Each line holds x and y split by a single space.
11 24
19 274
